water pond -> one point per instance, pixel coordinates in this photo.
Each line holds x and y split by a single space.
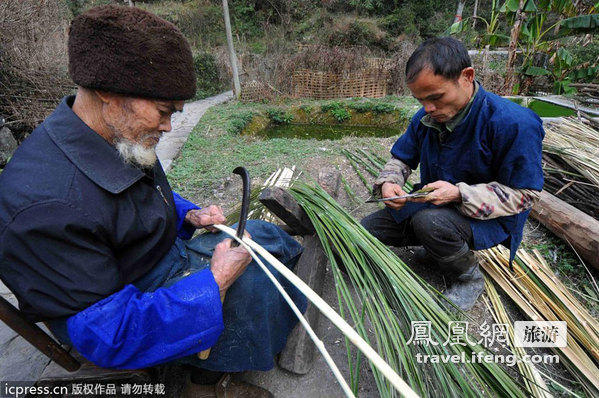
326 132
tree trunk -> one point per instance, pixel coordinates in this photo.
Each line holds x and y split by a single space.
570 224
474 14
458 14
228 31
510 76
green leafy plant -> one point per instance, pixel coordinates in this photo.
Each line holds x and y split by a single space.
546 22
491 36
306 108
208 77
278 116
383 108
337 110
371 106
239 121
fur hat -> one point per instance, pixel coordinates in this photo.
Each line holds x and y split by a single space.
130 51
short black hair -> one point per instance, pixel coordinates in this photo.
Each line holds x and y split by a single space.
444 56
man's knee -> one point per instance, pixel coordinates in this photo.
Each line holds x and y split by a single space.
274 240
439 231
376 225
368 222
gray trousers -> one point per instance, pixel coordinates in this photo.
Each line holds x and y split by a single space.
443 231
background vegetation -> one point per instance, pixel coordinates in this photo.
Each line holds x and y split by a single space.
268 33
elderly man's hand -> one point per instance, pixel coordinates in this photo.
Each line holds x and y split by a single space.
390 189
444 193
228 263
206 217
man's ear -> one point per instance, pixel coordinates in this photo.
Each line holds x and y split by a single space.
468 74
105 96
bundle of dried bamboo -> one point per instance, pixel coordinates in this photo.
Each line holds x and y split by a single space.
532 378
577 144
542 297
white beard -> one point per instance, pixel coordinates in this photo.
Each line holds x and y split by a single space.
136 154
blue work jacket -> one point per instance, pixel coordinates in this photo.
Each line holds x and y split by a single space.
79 227
76 222
497 140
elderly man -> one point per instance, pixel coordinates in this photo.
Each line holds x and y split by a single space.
481 156
92 239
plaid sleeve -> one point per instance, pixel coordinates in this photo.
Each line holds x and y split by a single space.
492 200
395 171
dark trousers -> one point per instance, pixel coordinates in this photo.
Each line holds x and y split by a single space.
443 231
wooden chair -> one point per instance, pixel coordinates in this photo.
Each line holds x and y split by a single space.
65 366
14 319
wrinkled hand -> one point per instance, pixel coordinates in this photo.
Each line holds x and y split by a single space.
444 192
228 263
390 189
206 217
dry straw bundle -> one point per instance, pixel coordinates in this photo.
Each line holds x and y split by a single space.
532 378
577 144
542 297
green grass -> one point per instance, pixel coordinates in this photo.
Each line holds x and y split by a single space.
206 161
214 149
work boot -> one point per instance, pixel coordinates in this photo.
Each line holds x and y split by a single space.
226 387
468 282
466 288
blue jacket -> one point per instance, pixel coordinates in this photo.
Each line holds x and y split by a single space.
497 140
78 226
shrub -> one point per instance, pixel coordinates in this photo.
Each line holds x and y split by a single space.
209 81
337 110
238 121
200 21
279 117
359 32
401 21
383 108
33 62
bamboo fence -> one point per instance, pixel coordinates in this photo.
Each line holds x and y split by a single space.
326 85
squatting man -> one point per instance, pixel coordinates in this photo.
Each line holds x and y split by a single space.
481 155
94 241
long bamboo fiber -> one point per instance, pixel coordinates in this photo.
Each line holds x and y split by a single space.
326 310
319 344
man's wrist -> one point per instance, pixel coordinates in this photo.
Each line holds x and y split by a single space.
458 197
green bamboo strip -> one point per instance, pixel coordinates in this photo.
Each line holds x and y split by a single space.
372 159
368 167
392 296
326 310
359 173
